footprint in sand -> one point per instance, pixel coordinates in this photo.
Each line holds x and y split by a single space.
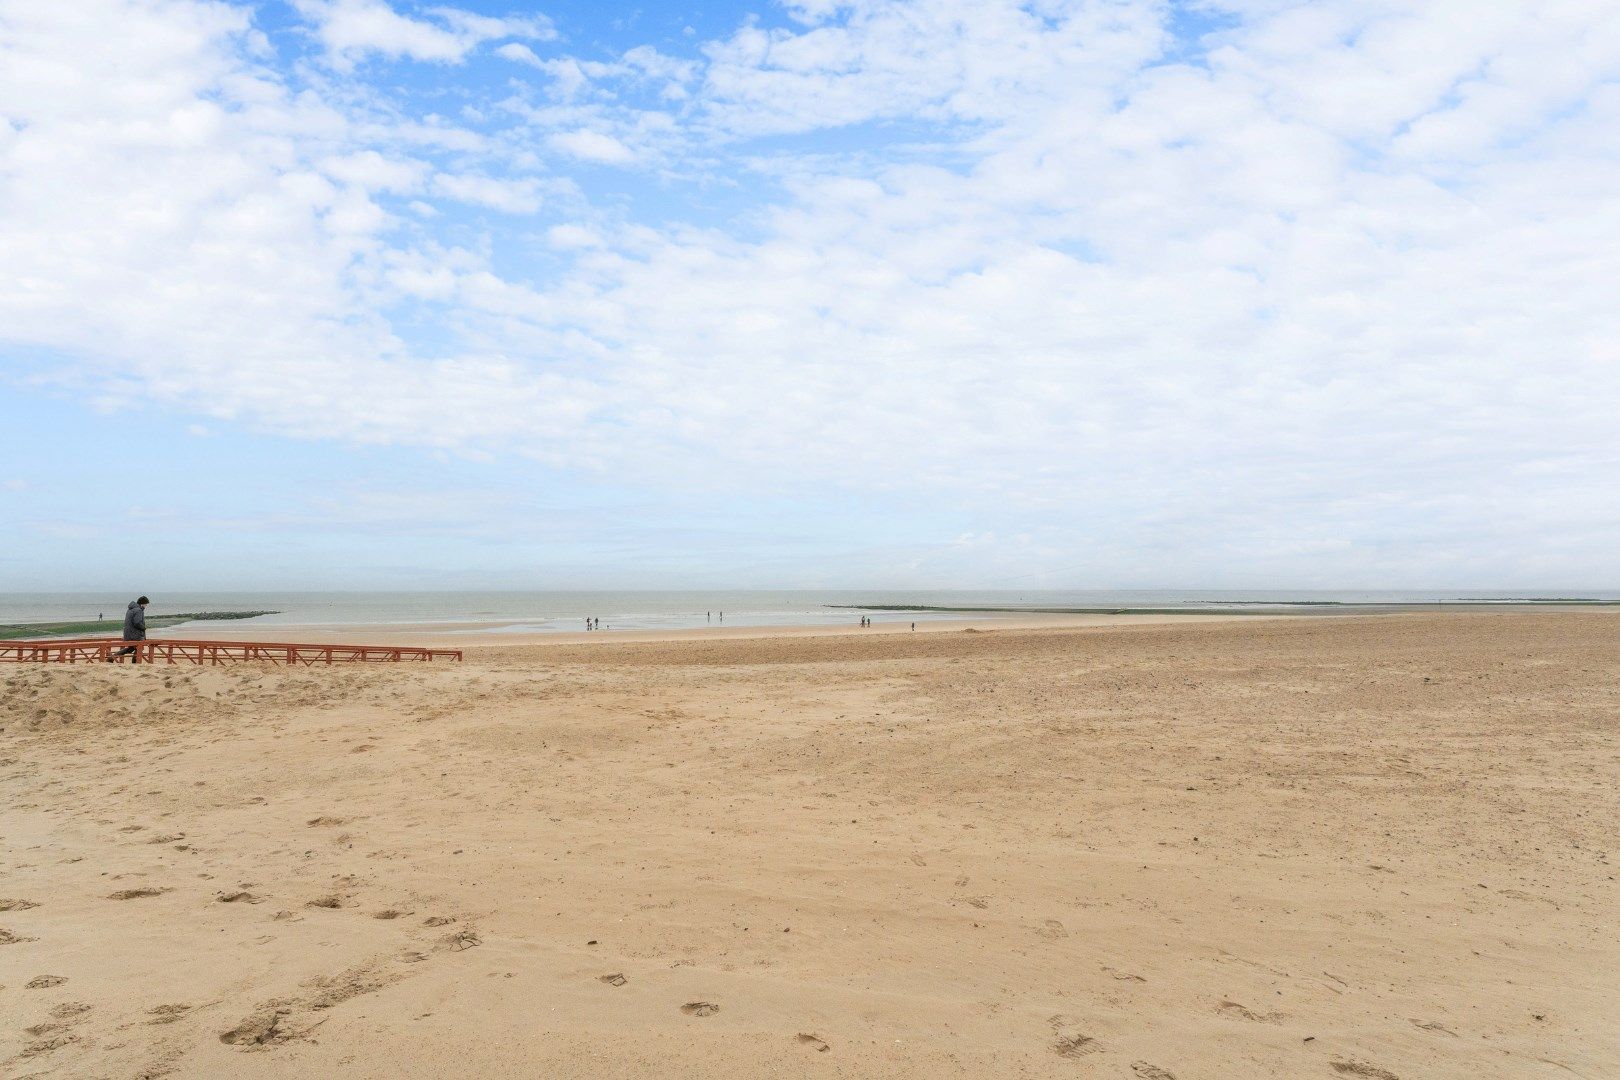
44 982
47 1044
700 1008
323 822
326 902
615 979
57 1032
389 914
239 898
438 920
1151 1072
257 1030
135 894
1123 976
8 938
1361 1068
461 940
1052 930
17 905
814 1042
330 991
167 1014
1073 1046
1232 1008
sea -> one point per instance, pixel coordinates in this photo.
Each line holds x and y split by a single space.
474 613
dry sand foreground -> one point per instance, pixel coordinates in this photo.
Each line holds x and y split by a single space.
1350 847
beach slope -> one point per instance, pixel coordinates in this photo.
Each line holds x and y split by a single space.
1364 847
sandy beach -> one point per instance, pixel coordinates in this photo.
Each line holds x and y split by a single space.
1366 847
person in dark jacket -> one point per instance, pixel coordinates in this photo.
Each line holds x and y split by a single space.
134 629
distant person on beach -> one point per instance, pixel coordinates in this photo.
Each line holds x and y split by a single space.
134 629
913 628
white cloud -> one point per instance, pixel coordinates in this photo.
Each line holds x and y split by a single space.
888 61
1346 279
573 236
519 54
593 146
509 196
353 29
372 171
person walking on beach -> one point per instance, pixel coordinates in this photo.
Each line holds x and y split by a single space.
134 630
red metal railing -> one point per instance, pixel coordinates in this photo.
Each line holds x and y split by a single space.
175 651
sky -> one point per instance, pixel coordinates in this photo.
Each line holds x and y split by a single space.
369 294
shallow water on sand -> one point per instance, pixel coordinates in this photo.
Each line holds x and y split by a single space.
667 610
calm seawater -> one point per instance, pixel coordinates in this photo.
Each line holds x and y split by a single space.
567 611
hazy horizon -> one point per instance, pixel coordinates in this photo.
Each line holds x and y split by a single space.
543 611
